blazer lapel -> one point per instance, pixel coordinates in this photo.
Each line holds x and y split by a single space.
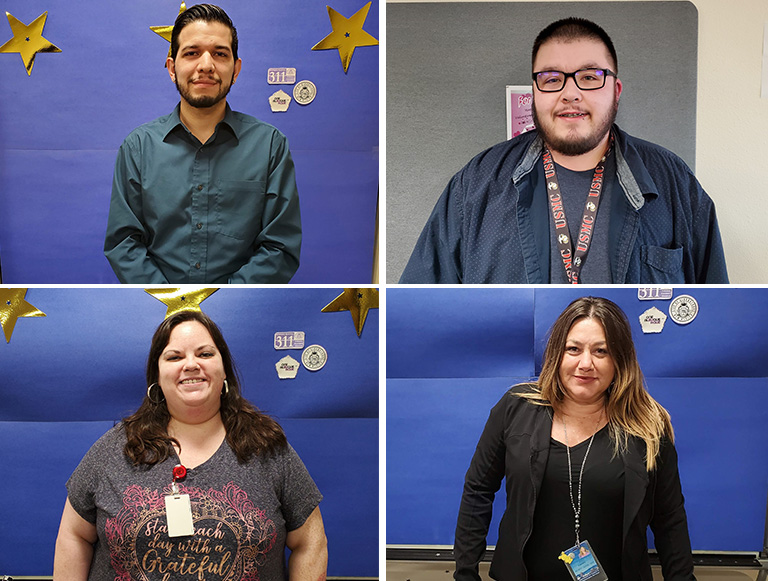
635 482
542 431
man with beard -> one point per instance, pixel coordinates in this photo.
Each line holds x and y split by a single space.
205 194
576 201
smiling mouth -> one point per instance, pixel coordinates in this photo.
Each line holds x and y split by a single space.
572 115
192 381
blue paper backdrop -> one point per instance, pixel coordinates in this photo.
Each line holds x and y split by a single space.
60 129
69 376
452 354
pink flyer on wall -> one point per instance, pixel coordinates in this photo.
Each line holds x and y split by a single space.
519 110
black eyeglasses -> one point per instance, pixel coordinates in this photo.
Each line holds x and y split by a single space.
585 79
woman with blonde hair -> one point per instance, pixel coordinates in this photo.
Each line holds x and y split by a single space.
589 461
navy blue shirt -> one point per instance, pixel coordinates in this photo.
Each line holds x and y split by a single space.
226 211
574 187
491 224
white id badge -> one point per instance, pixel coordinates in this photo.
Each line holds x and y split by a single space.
582 563
178 511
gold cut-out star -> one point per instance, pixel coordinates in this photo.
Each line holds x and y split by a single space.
179 299
357 301
13 306
166 31
28 40
347 34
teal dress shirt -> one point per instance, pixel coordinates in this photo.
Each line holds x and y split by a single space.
226 211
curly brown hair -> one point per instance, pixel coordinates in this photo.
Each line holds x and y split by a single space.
249 431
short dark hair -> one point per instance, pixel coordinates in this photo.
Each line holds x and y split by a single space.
206 13
570 29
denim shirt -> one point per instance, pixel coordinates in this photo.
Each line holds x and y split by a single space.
226 211
490 225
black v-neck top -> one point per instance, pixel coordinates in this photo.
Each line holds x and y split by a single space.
602 510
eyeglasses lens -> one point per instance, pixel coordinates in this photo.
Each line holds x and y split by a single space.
587 80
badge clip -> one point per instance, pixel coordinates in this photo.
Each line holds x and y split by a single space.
178 508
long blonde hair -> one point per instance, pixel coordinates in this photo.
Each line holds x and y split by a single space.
630 408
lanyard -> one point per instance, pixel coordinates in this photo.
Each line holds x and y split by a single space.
577 506
572 261
179 472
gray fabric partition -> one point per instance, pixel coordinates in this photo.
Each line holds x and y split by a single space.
448 64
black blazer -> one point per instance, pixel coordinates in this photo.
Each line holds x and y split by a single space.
515 445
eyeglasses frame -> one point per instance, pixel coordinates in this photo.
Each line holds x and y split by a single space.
606 73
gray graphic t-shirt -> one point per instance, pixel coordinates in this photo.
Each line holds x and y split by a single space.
240 512
575 186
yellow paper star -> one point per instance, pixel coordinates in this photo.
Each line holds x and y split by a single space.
357 301
179 299
347 34
166 31
28 40
13 306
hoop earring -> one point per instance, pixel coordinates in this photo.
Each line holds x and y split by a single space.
225 391
149 395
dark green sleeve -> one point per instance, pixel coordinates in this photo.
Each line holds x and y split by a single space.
125 244
276 249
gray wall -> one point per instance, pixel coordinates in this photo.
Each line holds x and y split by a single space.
448 64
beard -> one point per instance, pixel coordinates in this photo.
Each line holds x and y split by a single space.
572 145
204 101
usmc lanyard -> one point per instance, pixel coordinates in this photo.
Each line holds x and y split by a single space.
573 261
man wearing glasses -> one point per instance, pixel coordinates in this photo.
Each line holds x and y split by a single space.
576 201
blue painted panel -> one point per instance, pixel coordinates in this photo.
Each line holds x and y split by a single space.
433 426
69 376
709 374
60 129
721 428
103 337
476 332
727 338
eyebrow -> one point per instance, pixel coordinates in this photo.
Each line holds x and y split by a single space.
589 65
195 46
206 346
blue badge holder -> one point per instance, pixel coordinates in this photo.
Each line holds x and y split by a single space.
582 563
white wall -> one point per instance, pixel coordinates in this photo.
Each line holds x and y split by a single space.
731 128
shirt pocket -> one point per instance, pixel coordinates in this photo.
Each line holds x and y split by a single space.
238 208
666 264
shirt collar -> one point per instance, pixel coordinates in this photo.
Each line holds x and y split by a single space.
230 121
635 180
531 156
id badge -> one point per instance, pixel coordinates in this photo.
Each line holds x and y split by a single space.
582 563
178 510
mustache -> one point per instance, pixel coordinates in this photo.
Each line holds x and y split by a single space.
570 110
211 79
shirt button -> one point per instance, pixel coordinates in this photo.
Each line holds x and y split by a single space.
197 266
200 187
199 225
